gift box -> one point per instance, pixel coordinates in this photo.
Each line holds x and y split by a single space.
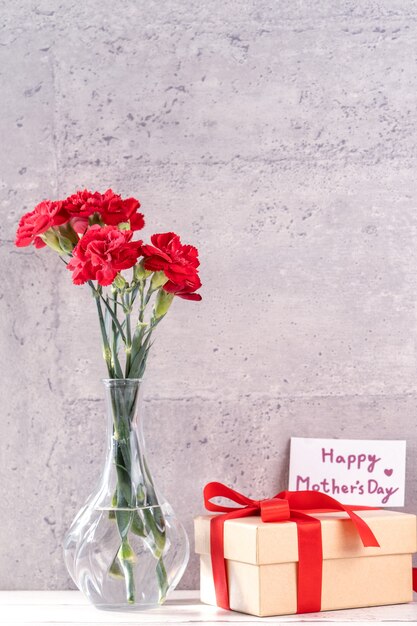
262 562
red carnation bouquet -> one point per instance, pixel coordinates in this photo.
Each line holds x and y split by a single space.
94 234
133 284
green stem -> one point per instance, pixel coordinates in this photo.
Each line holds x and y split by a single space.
148 295
126 558
148 522
125 498
162 580
136 342
114 328
114 345
106 345
113 316
128 310
142 306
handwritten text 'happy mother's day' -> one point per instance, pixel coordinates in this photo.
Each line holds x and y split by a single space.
353 462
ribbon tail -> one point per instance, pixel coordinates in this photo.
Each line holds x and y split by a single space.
314 500
367 536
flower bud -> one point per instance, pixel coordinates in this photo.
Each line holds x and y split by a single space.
51 240
67 231
158 280
139 272
119 282
163 302
66 245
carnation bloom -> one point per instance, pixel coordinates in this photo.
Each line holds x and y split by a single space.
111 207
45 215
80 206
114 210
101 253
167 253
82 203
186 290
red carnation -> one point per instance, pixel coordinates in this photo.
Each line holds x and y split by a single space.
45 215
83 203
111 207
167 253
114 210
80 206
185 291
101 253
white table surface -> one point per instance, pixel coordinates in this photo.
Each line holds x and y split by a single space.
67 608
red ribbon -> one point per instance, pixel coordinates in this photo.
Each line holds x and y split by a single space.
291 506
414 574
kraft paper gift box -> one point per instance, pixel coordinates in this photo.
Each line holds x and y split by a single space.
262 562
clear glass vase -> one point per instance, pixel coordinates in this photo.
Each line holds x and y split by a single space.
126 549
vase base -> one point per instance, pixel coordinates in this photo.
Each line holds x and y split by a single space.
128 608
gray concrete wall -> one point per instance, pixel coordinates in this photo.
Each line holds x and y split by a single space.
280 137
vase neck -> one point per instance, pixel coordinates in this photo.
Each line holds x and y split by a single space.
126 481
124 409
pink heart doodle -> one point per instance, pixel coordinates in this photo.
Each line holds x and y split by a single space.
388 472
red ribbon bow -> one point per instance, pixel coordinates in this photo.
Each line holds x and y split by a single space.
285 506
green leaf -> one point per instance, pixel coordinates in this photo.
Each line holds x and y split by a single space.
123 519
137 526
